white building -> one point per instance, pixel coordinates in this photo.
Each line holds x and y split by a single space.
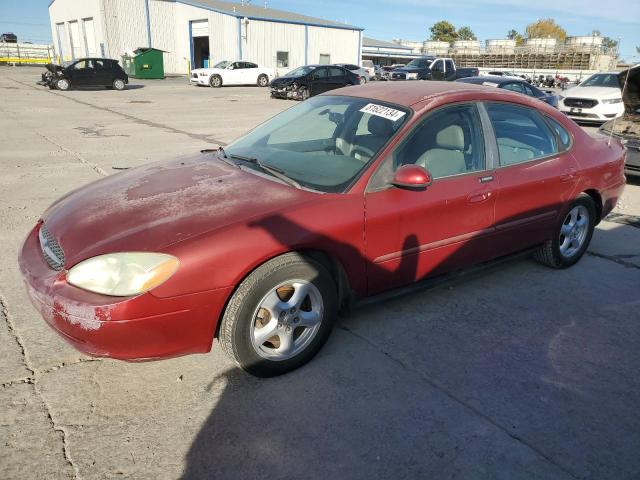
199 32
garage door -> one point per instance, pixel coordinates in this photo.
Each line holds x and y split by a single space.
62 40
200 28
89 37
74 33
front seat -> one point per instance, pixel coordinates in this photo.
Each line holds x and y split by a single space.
380 130
447 158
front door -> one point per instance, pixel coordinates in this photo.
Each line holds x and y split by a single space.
318 81
233 75
437 70
413 234
82 73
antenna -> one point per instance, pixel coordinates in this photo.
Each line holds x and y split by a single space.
624 87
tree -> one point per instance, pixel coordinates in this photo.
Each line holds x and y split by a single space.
465 33
514 35
443 31
609 44
546 28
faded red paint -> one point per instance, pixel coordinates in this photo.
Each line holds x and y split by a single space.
221 223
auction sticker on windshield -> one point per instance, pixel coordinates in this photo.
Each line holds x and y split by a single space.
382 111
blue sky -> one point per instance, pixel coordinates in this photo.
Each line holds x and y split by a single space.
411 19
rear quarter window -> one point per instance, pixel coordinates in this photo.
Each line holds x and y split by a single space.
564 137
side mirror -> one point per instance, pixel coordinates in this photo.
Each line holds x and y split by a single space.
413 177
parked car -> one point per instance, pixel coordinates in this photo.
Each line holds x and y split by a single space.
370 68
340 198
467 72
426 68
597 99
86 72
310 80
8 38
627 128
232 73
379 73
514 85
388 69
361 72
502 73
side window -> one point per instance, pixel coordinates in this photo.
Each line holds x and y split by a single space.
529 92
561 132
514 87
336 72
99 64
447 142
250 65
282 59
319 74
521 133
438 66
82 64
237 65
449 65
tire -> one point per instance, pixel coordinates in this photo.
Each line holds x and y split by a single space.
562 250
118 84
263 81
363 80
246 315
304 93
63 84
215 81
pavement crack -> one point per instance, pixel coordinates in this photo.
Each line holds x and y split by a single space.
33 380
441 388
141 121
75 155
619 261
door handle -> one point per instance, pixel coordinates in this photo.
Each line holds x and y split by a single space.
479 197
485 179
568 175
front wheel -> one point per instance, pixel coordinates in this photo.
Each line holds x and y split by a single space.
571 237
263 81
215 81
280 315
304 93
63 84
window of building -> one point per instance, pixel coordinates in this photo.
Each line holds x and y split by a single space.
325 59
282 59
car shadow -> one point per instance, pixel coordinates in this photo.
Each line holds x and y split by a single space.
525 373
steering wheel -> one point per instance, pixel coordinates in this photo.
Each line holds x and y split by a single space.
334 150
368 153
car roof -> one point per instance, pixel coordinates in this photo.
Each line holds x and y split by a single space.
479 80
408 93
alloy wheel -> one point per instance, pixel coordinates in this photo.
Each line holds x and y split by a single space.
287 320
574 231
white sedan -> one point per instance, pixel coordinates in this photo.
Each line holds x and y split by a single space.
597 99
232 73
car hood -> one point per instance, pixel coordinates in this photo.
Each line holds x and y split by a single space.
151 207
52 67
592 92
631 91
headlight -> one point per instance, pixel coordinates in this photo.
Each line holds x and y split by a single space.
412 76
202 74
612 100
561 97
123 274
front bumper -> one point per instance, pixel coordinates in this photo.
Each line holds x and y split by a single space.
287 92
599 113
137 328
632 165
204 80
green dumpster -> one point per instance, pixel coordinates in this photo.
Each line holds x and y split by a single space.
146 63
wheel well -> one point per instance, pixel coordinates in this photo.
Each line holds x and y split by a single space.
597 201
333 266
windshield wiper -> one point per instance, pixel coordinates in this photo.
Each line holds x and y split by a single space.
276 172
222 155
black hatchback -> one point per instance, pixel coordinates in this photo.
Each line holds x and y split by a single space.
310 80
85 72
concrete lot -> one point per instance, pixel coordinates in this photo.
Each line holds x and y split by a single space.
521 373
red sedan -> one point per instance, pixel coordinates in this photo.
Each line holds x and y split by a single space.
344 196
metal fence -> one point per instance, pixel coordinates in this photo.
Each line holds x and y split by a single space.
25 53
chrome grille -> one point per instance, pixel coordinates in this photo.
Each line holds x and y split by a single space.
580 102
51 249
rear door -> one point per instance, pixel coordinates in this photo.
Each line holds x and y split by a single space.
249 73
104 72
537 175
337 78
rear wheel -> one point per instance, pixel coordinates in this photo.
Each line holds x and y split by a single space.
215 81
63 84
118 84
263 81
363 80
571 237
280 315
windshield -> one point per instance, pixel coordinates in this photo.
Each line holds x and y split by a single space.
222 64
322 143
602 80
419 63
66 63
300 71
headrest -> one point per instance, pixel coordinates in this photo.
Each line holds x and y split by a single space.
451 138
380 126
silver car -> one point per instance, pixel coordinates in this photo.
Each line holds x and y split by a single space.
362 72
